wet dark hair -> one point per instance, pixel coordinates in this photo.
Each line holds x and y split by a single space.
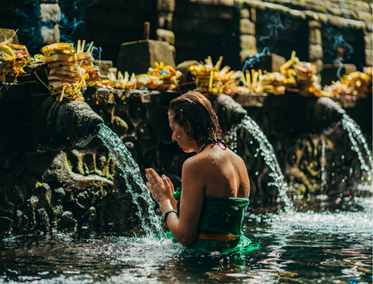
195 108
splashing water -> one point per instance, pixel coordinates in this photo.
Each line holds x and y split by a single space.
267 152
356 138
323 163
133 179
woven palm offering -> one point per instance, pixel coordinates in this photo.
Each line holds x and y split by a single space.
13 57
307 79
148 82
121 81
167 74
356 84
288 71
66 78
273 83
301 75
84 59
211 80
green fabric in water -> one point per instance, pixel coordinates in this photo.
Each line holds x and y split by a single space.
221 216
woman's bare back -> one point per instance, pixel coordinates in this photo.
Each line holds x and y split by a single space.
223 172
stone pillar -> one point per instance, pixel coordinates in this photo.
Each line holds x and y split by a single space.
50 16
166 10
368 48
315 49
247 33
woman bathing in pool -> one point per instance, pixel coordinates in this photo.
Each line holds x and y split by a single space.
215 183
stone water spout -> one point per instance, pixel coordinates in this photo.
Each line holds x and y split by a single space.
65 125
314 115
326 114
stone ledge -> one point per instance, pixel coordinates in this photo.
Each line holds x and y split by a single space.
308 14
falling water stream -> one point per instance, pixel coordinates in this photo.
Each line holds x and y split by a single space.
132 176
266 150
356 138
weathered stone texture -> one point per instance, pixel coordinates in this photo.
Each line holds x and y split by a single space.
245 13
165 35
368 41
248 42
369 57
247 27
315 52
315 36
246 53
50 35
166 5
314 25
50 12
319 65
253 15
165 20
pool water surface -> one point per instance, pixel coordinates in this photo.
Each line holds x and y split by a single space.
332 243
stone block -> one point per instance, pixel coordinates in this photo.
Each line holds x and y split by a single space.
137 57
334 11
207 2
246 53
319 65
323 18
369 57
165 20
349 14
165 35
50 12
50 35
212 26
315 52
312 16
226 13
368 41
253 15
104 66
366 17
226 2
270 62
166 5
247 42
297 14
337 21
315 36
330 72
247 27
8 33
245 13
369 27
314 25
194 10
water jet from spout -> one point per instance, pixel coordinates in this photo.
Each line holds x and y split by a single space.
134 182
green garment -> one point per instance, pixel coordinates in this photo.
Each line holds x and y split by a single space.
221 216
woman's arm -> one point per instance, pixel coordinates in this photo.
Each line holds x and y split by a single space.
185 227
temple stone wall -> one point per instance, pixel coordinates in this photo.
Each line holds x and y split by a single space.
111 23
235 29
206 29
